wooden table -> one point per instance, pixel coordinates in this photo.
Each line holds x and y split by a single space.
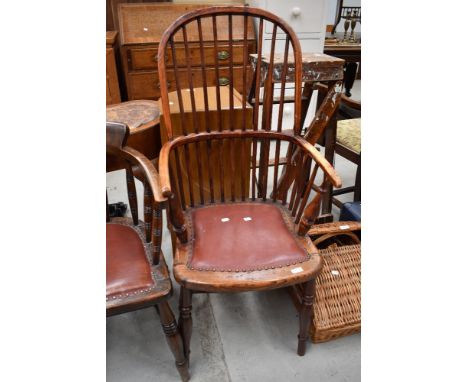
351 53
316 68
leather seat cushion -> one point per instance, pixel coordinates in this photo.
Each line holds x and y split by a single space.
133 113
127 267
348 133
243 237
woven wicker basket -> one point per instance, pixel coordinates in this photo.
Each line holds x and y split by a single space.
337 303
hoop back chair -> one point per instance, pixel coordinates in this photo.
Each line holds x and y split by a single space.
240 225
136 273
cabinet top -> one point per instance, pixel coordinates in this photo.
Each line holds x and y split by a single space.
145 23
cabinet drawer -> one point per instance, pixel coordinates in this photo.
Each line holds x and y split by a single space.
146 58
145 85
304 16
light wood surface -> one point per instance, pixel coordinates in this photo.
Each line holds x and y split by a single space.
239 149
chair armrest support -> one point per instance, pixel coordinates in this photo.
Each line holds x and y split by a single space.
320 160
175 214
149 172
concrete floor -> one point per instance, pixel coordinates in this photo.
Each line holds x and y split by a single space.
236 337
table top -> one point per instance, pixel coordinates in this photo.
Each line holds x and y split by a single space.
315 67
334 42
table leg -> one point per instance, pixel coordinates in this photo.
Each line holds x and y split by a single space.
349 77
330 141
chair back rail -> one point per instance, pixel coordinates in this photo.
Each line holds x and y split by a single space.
225 137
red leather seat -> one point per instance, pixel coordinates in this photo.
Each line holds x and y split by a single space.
243 237
128 269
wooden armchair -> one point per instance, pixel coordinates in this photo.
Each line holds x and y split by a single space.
137 275
240 225
346 142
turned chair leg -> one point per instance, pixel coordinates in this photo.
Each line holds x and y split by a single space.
173 338
185 319
305 316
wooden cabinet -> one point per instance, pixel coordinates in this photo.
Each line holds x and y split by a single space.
307 18
112 80
141 29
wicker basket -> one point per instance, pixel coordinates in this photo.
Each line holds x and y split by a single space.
337 303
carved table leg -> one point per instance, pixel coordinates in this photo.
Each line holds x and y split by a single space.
185 318
173 338
349 77
305 316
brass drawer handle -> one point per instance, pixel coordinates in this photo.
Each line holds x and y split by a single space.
223 55
158 86
223 81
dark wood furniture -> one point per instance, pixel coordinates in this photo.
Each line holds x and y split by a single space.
343 12
257 241
112 80
141 28
136 273
351 53
349 110
142 118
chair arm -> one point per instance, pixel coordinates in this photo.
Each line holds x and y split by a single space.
165 179
320 160
149 172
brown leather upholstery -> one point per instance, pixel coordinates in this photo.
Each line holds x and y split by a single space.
127 266
240 244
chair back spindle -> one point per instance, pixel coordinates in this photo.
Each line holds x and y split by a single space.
226 127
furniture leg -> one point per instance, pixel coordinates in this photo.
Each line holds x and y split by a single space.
173 339
357 183
349 77
305 316
185 319
330 142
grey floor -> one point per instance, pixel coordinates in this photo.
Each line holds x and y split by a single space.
236 337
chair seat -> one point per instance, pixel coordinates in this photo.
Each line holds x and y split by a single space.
131 281
348 134
230 241
133 113
127 267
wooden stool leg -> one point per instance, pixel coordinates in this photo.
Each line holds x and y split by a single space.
305 316
185 318
173 338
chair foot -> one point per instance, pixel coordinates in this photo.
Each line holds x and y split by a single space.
305 316
185 319
173 339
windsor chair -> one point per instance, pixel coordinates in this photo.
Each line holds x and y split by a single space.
238 223
136 273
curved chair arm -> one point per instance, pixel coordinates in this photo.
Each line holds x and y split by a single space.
320 160
164 176
149 171
176 216
311 211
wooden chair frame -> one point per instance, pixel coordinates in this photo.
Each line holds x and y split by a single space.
291 188
151 235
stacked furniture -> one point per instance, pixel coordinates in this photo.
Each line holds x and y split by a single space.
141 29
